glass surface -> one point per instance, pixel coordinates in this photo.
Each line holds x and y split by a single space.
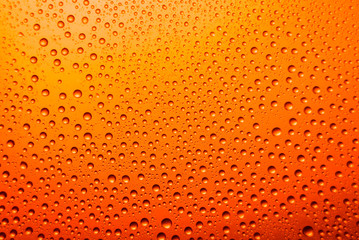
181 119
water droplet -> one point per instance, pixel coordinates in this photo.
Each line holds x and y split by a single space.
111 178
292 69
166 223
45 112
87 116
308 231
44 42
276 132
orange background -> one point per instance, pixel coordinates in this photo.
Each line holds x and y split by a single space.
179 119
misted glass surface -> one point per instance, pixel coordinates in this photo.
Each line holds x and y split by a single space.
187 119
